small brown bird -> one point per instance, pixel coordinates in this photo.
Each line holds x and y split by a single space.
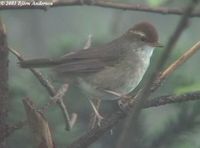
108 71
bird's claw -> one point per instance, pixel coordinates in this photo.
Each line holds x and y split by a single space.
99 119
124 104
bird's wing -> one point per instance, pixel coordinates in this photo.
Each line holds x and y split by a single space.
83 61
80 67
90 60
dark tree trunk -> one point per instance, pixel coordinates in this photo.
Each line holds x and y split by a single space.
3 84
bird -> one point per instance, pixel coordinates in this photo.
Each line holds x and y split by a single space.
108 71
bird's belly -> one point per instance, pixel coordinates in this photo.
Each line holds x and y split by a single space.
132 82
119 79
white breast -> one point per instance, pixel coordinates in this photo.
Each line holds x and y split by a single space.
144 55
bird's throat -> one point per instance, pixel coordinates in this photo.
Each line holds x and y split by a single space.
145 53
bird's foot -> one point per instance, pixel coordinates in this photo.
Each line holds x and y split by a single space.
124 103
123 106
96 117
95 120
99 119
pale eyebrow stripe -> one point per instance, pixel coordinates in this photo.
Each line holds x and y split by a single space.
138 33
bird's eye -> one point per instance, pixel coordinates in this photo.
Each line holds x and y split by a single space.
143 38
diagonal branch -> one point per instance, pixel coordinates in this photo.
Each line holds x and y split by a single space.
44 82
180 60
41 133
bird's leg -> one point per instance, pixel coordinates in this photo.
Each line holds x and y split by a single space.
124 97
96 117
113 93
123 101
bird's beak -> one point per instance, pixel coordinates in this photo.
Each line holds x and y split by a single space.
158 44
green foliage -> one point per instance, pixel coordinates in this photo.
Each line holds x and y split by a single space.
189 88
63 44
155 3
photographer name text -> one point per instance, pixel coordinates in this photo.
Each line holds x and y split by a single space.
25 3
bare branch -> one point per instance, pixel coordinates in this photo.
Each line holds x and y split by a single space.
44 82
180 60
59 96
169 99
38 125
49 87
190 52
89 42
104 4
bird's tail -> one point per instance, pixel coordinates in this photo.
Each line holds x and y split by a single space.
38 63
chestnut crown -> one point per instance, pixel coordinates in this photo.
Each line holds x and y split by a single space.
144 32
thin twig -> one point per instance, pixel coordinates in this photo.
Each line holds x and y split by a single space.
96 102
180 60
88 42
169 99
49 87
191 51
103 4
44 82
59 96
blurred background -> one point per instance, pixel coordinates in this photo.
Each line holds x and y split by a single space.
38 34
